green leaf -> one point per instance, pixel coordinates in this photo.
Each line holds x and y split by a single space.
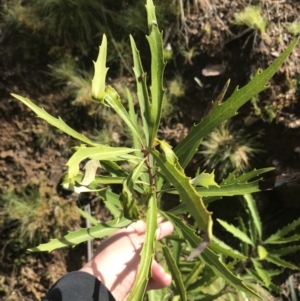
112 98
111 201
254 213
205 180
262 252
98 82
175 272
236 232
208 256
173 172
244 178
285 251
127 197
189 145
194 274
280 262
87 216
278 236
56 122
220 247
262 273
157 71
285 240
213 261
143 274
82 235
101 152
142 91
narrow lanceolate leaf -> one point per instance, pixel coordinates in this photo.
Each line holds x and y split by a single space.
205 180
225 190
208 256
194 274
236 232
285 251
279 235
262 273
175 273
98 82
82 235
189 145
157 70
112 98
281 262
213 261
101 152
56 122
174 174
254 213
147 253
142 90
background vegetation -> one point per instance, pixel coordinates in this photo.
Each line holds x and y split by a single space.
47 48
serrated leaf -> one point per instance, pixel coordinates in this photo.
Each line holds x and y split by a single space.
175 272
87 216
174 174
285 251
262 252
112 98
220 247
84 234
208 256
101 152
189 145
232 178
236 232
142 90
280 262
56 122
205 180
251 204
278 236
157 71
98 81
262 273
143 274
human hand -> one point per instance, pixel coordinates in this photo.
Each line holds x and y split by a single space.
118 257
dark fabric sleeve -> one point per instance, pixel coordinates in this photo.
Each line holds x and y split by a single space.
79 286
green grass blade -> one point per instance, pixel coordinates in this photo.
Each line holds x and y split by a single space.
172 171
142 91
98 81
157 70
82 235
189 145
236 232
56 122
254 213
139 288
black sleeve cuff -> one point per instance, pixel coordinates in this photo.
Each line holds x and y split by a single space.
79 286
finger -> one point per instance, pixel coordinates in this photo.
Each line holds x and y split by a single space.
139 227
159 278
164 229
